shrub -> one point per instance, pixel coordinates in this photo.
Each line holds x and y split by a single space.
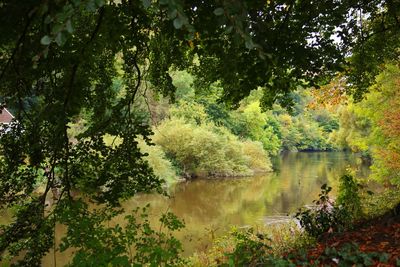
158 161
207 150
189 111
155 156
322 217
328 215
350 255
250 249
257 157
137 244
348 196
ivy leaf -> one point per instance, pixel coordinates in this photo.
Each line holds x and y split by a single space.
46 40
384 257
219 11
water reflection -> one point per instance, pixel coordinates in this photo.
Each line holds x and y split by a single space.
211 207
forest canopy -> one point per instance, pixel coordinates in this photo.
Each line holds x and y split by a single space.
62 60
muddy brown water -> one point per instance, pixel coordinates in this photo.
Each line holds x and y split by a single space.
210 207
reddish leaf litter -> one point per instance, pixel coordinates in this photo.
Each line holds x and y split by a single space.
377 235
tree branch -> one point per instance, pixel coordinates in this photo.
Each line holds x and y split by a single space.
31 15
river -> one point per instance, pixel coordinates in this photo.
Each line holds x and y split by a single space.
210 207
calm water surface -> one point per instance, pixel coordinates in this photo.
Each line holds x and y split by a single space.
210 207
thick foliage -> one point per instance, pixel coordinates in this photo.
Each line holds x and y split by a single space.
58 60
372 125
134 244
159 162
207 150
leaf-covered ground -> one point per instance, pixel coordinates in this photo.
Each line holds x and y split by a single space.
372 243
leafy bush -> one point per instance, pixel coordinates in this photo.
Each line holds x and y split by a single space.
348 197
378 204
257 157
250 249
207 150
158 161
136 244
322 217
350 255
257 128
332 216
155 157
189 111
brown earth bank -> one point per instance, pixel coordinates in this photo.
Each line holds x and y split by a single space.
375 242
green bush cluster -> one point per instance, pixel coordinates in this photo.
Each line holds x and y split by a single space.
199 136
208 150
160 164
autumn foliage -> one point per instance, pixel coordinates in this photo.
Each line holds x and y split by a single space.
390 125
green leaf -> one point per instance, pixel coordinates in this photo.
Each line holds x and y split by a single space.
57 27
91 6
46 40
60 39
45 52
219 11
249 44
384 257
48 19
172 13
231 262
229 29
178 23
146 3
69 26
99 3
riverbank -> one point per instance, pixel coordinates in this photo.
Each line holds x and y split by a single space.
371 240
374 242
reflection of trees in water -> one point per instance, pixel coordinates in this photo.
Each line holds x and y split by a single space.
208 205
304 173
214 199
217 204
